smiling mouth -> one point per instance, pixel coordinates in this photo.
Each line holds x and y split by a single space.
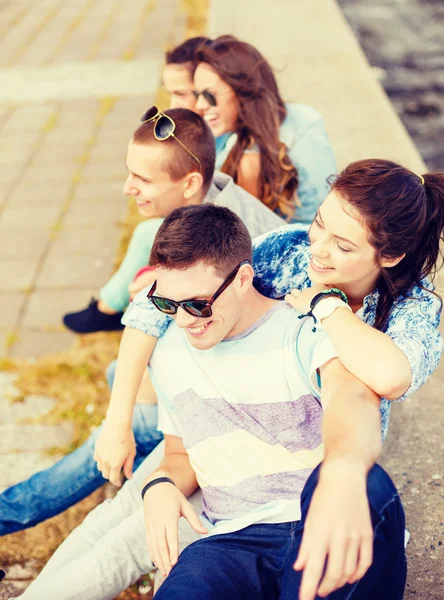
210 118
319 265
196 331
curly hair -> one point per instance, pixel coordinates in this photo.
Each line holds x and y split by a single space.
261 112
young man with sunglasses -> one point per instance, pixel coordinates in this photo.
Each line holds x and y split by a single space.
170 163
238 378
162 177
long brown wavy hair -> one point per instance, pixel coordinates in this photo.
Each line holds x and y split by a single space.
404 214
261 112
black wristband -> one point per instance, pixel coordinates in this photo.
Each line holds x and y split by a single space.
155 482
325 293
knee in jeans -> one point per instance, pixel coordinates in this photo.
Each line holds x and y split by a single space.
381 491
379 483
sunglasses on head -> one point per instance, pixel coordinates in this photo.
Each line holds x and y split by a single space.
164 127
207 95
195 308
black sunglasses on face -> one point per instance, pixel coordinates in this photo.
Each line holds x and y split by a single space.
196 308
208 96
164 127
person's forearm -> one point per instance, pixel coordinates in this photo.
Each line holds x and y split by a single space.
368 354
135 352
178 468
352 425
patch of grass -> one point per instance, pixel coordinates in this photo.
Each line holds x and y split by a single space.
75 378
51 123
7 364
27 290
83 158
106 105
10 338
41 541
197 17
76 178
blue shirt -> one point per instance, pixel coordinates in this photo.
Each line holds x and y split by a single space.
303 132
280 261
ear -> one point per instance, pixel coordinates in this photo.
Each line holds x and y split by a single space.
245 278
387 263
192 184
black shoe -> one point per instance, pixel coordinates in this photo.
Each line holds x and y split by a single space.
92 319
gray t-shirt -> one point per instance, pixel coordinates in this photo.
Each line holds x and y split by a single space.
257 217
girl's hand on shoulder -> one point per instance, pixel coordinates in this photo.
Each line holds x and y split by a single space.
141 282
300 300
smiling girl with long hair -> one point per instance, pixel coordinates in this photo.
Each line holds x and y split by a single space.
278 152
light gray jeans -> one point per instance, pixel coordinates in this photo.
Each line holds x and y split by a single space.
108 551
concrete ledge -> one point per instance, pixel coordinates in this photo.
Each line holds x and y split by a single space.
319 62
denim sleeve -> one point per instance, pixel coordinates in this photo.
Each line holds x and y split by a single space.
142 315
280 260
413 327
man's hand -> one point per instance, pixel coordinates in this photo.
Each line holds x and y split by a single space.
300 300
164 505
115 449
338 534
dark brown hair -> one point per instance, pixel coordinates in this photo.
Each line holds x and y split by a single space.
185 53
203 233
192 131
402 216
261 112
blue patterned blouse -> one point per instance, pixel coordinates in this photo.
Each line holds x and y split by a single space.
280 260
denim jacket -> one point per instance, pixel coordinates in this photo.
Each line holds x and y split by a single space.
303 132
280 261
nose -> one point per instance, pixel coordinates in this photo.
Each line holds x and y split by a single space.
183 319
201 105
319 246
129 187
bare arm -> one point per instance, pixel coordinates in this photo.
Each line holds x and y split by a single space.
135 351
165 503
248 173
352 423
176 465
115 446
367 353
338 531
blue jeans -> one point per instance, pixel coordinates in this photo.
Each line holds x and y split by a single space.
257 562
72 478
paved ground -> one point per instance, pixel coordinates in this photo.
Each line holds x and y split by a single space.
75 79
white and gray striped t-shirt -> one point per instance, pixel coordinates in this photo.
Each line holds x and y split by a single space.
249 416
